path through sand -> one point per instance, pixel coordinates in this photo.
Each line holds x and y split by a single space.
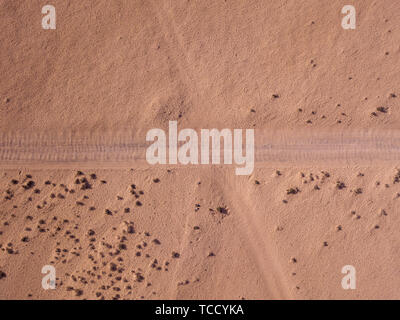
119 150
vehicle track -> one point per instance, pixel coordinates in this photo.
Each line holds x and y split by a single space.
123 149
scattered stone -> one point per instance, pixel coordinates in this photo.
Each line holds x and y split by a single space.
29 185
292 191
382 109
340 185
222 210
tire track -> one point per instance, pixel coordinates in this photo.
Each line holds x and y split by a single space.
124 149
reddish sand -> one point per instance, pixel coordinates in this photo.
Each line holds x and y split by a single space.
121 68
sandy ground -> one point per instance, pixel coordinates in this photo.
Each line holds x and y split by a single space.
325 196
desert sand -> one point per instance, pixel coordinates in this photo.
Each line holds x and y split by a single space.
78 194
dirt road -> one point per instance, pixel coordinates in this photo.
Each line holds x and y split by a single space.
101 150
